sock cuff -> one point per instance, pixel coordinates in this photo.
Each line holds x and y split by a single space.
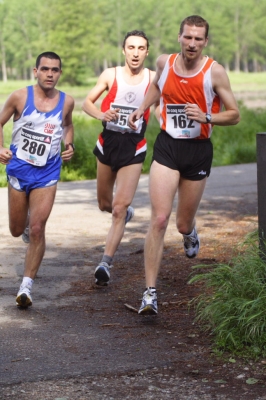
107 259
192 233
27 281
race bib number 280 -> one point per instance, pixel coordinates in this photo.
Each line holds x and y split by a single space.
178 125
34 147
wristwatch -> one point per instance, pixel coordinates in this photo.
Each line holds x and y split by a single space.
72 145
208 118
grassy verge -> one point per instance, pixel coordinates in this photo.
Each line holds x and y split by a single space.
233 301
242 81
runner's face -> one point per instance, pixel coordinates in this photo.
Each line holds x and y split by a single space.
47 73
135 52
192 41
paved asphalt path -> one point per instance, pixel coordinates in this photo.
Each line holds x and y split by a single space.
53 339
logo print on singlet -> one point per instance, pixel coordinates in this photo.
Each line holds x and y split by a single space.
183 81
130 97
29 125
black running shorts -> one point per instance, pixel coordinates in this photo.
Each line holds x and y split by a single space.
191 157
120 149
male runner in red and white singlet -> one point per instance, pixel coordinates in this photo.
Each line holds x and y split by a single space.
120 150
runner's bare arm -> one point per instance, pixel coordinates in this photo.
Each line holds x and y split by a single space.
9 109
68 130
153 94
104 83
156 106
221 85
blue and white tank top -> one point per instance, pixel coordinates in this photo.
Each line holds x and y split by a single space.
36 138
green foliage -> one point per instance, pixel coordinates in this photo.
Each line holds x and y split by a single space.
151 133
232 305
237 144
83 164
88 35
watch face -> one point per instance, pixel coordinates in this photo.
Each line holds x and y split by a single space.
208 117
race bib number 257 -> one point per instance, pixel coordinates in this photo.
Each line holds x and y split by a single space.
121 123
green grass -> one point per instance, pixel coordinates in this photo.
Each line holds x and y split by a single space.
237 144
233 301
241 81
83 164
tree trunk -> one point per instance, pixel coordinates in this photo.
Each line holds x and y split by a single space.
237 61
3 56
237 53
255 65
227 67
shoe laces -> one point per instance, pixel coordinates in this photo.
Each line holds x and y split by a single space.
105 265
190 240
150 292
25 288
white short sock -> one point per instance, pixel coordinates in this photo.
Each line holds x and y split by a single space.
27 281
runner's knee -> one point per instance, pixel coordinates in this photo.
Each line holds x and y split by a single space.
104 205
160 222
119 210
15 230
184 227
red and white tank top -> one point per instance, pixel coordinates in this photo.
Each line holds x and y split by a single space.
177 90
127 98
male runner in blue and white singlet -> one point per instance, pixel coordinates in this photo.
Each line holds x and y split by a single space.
42 119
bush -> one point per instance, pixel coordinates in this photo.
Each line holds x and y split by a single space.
237 144
83 164
232 305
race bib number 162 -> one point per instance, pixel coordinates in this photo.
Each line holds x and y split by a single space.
178 125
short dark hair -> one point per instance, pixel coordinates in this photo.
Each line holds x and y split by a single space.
136 33
197 21
48 54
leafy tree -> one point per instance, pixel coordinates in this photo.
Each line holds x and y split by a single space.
88 35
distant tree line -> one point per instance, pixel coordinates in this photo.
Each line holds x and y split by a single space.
88 34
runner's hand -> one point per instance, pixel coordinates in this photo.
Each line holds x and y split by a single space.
5 155
111 115
135 116
194 112
68 153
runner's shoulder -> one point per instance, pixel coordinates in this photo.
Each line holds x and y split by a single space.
18 96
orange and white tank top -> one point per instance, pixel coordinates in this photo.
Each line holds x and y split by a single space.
177 90
127 98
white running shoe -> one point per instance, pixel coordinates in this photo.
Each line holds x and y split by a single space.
149 302
130 214
24 298
25 235
191 244
102 274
